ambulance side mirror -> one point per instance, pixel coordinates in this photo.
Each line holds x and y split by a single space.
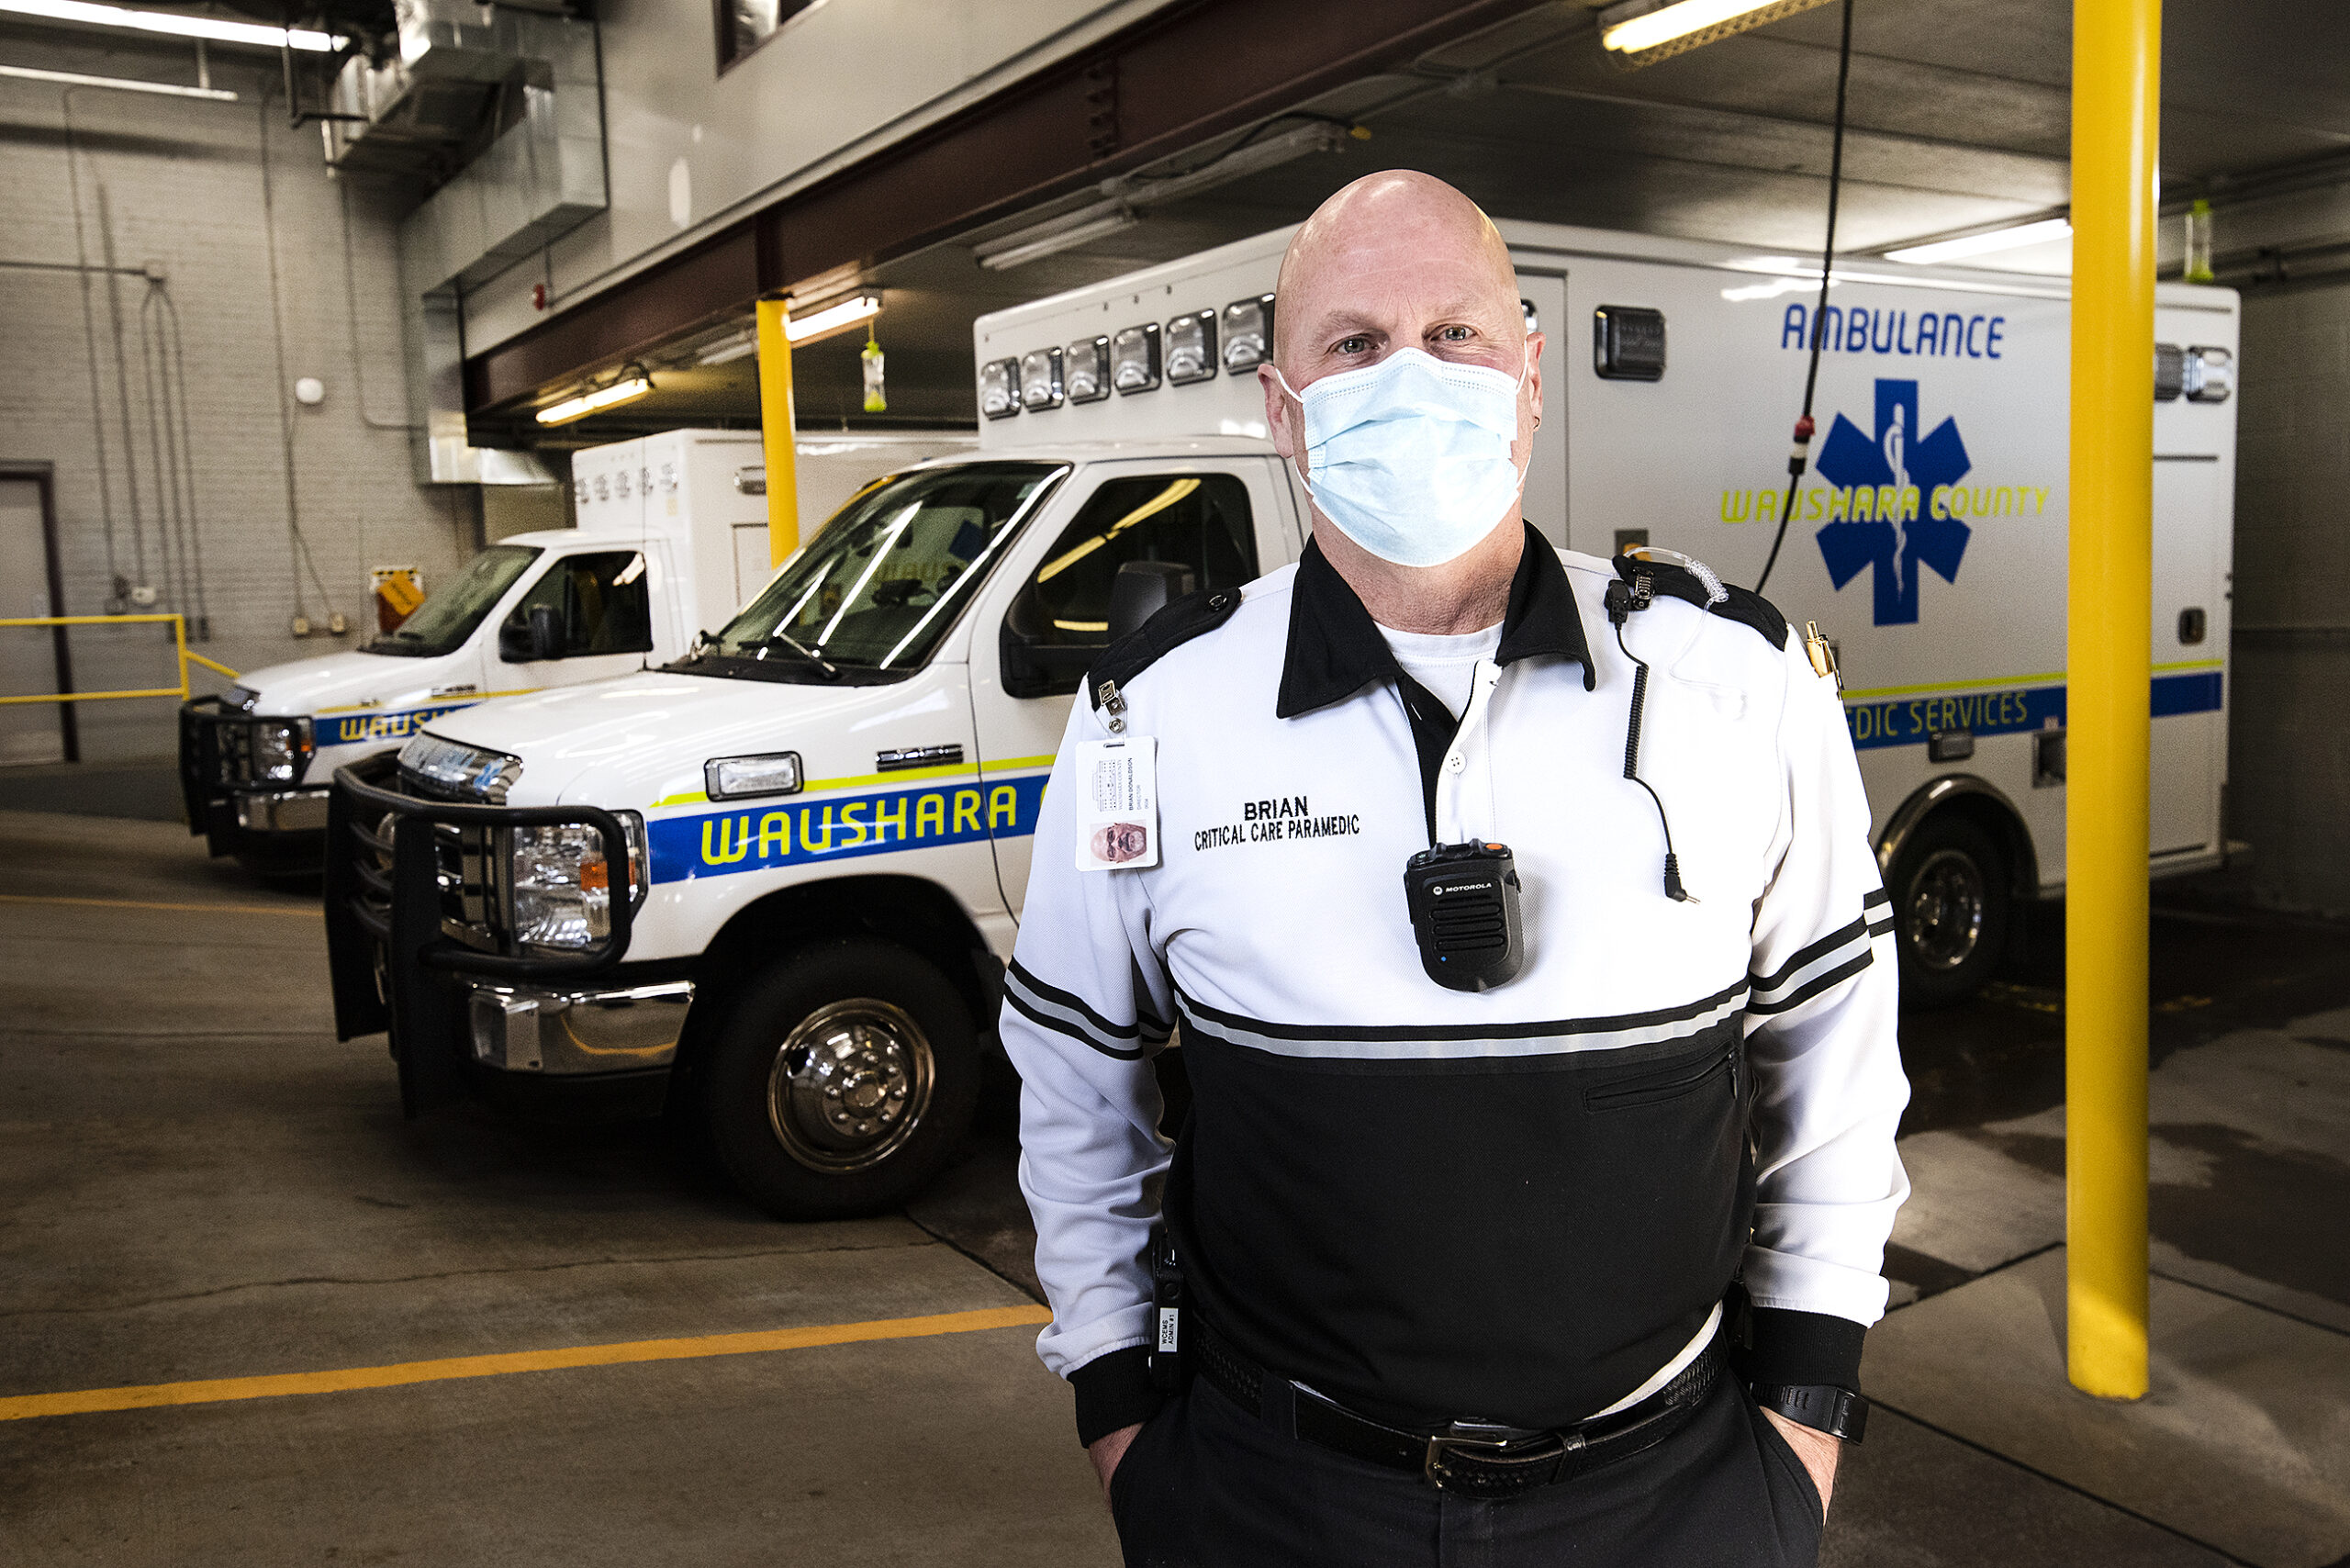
1143 589
526 637
1030 662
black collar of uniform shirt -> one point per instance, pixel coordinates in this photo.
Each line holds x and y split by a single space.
1335 649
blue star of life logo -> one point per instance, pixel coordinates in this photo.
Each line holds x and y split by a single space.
1891 523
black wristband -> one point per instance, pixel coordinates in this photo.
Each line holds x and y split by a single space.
1824 1407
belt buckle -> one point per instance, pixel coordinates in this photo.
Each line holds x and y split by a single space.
1487 1439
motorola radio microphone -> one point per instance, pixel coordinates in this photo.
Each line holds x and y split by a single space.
1463 898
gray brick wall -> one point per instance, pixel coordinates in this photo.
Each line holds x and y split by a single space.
2288 764
182 185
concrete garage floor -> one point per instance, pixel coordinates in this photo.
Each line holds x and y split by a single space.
200 1184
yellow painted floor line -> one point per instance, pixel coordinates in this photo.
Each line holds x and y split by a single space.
213 1391
309 912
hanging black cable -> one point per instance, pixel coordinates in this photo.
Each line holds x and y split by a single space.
1799 458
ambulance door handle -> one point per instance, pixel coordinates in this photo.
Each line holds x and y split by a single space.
2193 624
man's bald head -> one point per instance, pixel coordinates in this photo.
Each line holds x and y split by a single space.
1401 261
1395 227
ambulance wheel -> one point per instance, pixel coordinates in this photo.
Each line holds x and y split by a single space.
1950 911
840 1079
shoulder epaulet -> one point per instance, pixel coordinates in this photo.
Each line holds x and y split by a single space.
1745 606
1194 615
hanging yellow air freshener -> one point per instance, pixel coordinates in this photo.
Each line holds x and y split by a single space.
877 401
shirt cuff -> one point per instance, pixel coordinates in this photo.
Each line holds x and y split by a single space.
1116 1390
1790 1346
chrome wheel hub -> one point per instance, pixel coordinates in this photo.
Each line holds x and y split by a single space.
849 1085
1943 921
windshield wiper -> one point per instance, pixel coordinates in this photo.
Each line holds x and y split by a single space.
831 671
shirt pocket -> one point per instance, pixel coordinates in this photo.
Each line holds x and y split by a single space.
1673 1080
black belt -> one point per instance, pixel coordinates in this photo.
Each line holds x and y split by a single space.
1478 1459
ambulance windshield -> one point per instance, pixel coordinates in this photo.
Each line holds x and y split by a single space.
883 582
446 618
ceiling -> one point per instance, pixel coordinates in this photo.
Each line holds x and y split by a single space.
1958 118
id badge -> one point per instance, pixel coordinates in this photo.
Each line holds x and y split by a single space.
1117 827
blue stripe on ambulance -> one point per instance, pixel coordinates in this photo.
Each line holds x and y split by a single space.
766 836
1910 721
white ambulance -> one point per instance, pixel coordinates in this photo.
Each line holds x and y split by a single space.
671 536
773 885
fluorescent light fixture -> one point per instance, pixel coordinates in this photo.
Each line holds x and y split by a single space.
1117 211
1320 136
727 349
210 27
123 83
626 390
831 318
1778 286
1054 235
1653 29
2022 234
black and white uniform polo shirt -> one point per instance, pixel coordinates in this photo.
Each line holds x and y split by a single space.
1520 1205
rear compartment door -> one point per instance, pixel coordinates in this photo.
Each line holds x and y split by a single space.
2188 744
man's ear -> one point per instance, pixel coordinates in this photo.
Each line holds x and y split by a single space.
1534 341
1278 407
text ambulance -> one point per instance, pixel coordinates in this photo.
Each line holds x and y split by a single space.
773 885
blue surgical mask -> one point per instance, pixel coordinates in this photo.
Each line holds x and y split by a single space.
1411 458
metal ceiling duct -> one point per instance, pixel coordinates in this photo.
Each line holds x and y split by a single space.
521 88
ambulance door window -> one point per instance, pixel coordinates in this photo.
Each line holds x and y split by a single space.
1061 615
600 601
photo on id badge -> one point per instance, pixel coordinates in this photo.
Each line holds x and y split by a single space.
1118 819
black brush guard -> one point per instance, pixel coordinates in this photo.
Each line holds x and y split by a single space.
394 948
200 783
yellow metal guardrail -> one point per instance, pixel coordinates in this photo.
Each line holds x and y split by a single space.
179 647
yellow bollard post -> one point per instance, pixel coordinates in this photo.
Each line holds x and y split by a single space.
776 425
2117 63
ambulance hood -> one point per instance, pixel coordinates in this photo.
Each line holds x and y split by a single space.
640 740
343 680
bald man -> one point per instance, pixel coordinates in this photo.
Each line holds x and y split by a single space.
1539 1022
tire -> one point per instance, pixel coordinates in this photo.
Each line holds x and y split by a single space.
839 1081
1952 912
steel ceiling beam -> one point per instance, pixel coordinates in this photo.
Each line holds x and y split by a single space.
1128 102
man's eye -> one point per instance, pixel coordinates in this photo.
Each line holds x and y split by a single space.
1354 345
1455 334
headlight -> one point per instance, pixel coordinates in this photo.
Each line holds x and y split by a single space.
742 778
563 884
281 750
447 768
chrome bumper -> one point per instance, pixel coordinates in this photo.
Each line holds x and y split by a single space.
526 1029
283 810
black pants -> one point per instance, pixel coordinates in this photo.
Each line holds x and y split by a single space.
1209 1486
